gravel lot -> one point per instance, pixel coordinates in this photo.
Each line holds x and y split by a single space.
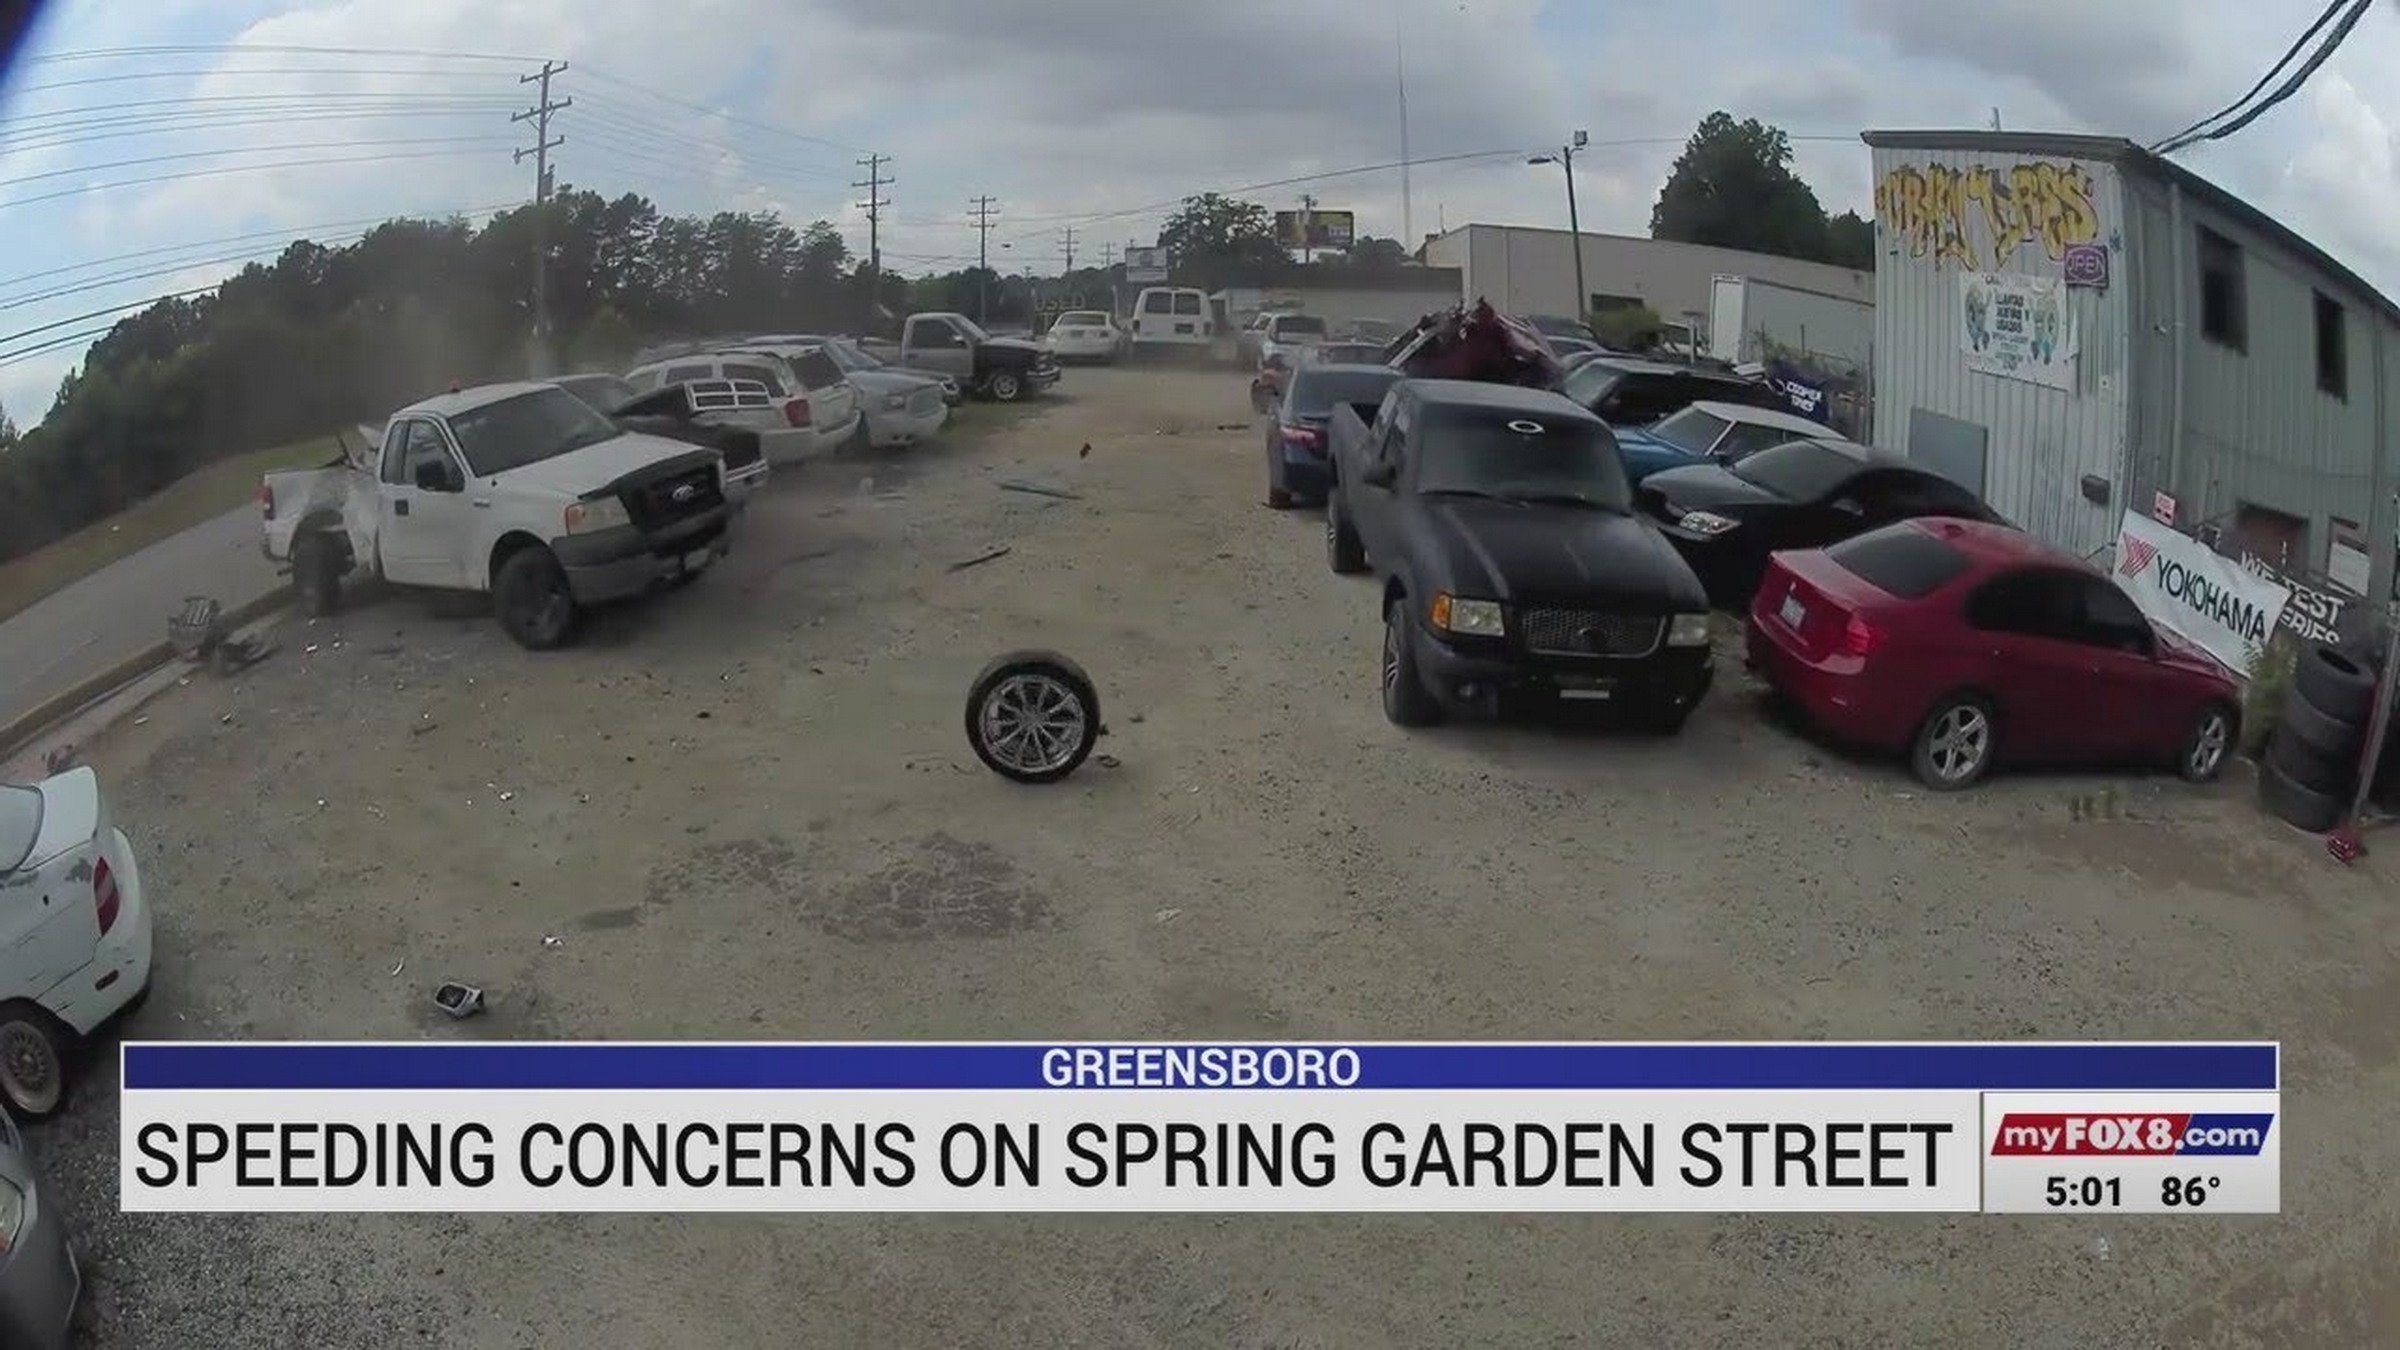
748 812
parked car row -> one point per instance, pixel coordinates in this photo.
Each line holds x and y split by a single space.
1525 550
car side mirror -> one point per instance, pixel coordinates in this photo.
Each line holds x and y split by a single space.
1381 475
433 475
1849 506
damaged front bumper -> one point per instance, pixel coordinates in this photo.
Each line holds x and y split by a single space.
626 561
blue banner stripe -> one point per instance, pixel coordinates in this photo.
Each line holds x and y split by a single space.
836 1067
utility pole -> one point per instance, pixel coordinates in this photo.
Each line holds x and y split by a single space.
1408 237
539 115
982 216
874 185
1566 159
1068 244
1308 226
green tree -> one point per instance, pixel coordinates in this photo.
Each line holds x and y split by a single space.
1850 241
1630 328
1213 227
8 433
1733 187
1370 250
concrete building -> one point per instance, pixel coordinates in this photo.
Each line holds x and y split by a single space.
1332 291
2073 326
1531 271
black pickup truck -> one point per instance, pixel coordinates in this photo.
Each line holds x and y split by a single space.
1501 531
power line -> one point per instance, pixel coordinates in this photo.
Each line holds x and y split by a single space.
130 76
245 150
66 119
278 49
704 109
2193 134
631 126
168 124
982 216
296 232
220 172
113 309
53 344
540 114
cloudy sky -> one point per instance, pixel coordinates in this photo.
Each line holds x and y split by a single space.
1079 113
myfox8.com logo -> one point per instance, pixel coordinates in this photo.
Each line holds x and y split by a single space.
2135 1134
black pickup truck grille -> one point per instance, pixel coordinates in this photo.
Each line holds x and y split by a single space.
661 503
1584 632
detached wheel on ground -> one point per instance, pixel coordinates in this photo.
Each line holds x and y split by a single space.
1406 700
1343 552
317 574
1033 716
2202 757
35 1052
2296 804
531 598
1953 748
2338 684
1005 387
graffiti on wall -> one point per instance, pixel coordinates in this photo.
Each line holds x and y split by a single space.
1976 219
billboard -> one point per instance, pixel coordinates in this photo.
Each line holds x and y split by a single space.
1145 265
1314 229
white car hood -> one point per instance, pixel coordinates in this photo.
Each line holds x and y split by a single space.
594 466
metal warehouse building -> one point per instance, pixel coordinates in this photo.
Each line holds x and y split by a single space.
2072 326
1530 271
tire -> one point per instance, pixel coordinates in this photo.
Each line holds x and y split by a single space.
1343 553
1046 691
531 598
1954 744
2342 687
37 1052
316 574
1279 497
2211 739
2326 736
1406 700
2303 807
2310 768
1004 386
861 444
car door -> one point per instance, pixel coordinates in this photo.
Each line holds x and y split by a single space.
427 516
931 344
1375 510
2135 712
2039 664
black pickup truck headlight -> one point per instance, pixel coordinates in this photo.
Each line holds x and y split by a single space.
1687 630
1467 618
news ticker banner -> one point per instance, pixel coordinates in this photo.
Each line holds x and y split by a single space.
1811 1127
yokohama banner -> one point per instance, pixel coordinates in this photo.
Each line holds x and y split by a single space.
2178 581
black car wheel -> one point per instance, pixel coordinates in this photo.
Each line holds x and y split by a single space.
1343 553
1406 700
36 1052
1279 497
1005 387
2205 749
1032 716
1953 746
317 574
533 601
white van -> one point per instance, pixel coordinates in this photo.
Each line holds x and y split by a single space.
1170 317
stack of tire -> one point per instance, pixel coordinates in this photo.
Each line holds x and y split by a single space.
2311 772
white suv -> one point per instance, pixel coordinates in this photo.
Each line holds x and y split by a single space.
817 410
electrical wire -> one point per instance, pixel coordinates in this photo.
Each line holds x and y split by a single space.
54 344
278 49
258 102
630 124
296 232
2193 134
255 150
113 309
219 172
738 120
131 76
168 124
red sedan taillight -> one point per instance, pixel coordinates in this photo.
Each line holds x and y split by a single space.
106 900
266 501
1859 637
1309 437
795 412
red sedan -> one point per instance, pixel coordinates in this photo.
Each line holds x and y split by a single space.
1959 643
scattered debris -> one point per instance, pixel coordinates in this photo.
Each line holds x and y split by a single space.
1166 916
1039 489
320 803
142 720
1085 452
397 967
1136 718
227 719
458 1000
553 940
1233 426
387 649
508 796
1105 761
60 758
309 650
422 727
981 558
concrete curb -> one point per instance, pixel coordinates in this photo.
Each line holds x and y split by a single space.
16 734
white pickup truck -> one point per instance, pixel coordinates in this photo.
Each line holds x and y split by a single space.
521 490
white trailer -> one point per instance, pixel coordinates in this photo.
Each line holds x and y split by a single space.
1746 315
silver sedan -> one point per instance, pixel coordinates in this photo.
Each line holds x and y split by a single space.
39 1281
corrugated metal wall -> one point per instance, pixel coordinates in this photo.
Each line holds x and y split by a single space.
2258 430
1942 213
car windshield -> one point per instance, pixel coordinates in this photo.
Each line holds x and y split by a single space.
972 329
526 428
20 824
1522 457
1317 392
604 393
1589 384
1083 318
1299 325
1797 471
1692 431
1349 353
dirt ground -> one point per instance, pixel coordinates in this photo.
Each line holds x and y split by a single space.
748 811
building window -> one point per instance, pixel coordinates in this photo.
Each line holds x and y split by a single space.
2276 538
2333 355
2222 319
